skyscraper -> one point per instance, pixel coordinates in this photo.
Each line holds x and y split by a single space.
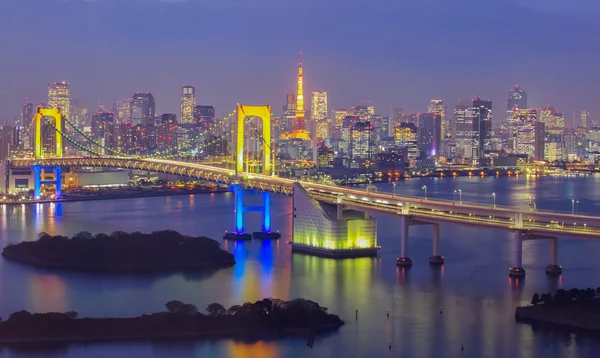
59 96
188 103
530 136
288 119
437 106
318 109
361 142
516 99
482 127
27 114
585 119
429 134
143 109
123 113
204 117
554 121
463 127
104 131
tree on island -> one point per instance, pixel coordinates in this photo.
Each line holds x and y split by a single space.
179 307
216 309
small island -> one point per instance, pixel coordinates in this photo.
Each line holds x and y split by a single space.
267 318
121 252
575 309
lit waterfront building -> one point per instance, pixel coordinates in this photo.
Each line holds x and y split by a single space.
188 104
59 96
554 121
429 134
142 109
530 137
438 107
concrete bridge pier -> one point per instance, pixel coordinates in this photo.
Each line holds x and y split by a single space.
436 258
517 269
553 269
404 260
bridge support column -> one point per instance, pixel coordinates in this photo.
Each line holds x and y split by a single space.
404 260
435 258
517 269
553 268
265 209
38 173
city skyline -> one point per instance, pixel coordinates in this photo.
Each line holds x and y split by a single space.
224 79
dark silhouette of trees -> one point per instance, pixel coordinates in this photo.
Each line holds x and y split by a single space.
267 316
572 298
216 309
165 250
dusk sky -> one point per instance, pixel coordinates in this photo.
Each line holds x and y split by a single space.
398 53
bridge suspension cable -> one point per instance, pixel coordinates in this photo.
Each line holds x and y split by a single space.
68 138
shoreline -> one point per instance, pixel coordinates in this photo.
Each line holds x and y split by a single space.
115 197
569 319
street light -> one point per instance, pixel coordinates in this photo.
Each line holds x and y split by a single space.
425 188
494 196
573 203
460 196
394 193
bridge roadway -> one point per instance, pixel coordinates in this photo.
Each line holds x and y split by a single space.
535 223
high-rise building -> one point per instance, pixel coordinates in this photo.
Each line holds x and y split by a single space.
27 114
516 99
530 136
405 136
324 156
288 118
482 127
188 103
585 120
166 136
59 96
318 109
361 143
123 113
204 117
463 130
554 121
430 125
322 130
9 141
143 109
395 120
104 131
438 107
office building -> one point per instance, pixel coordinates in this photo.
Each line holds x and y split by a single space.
325 156
516 99
585 119
530 137
288 117
322 129
27 114
104 132
438 107
430 125
463 131
59 96
318 108
361 144
188 104
142 109
482 127
554 121
204 117
405 136
9 141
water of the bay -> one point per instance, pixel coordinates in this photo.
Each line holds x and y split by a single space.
473 287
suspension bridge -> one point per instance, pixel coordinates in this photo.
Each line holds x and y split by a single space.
327 219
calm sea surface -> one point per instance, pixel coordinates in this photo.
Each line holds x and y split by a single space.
477 296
